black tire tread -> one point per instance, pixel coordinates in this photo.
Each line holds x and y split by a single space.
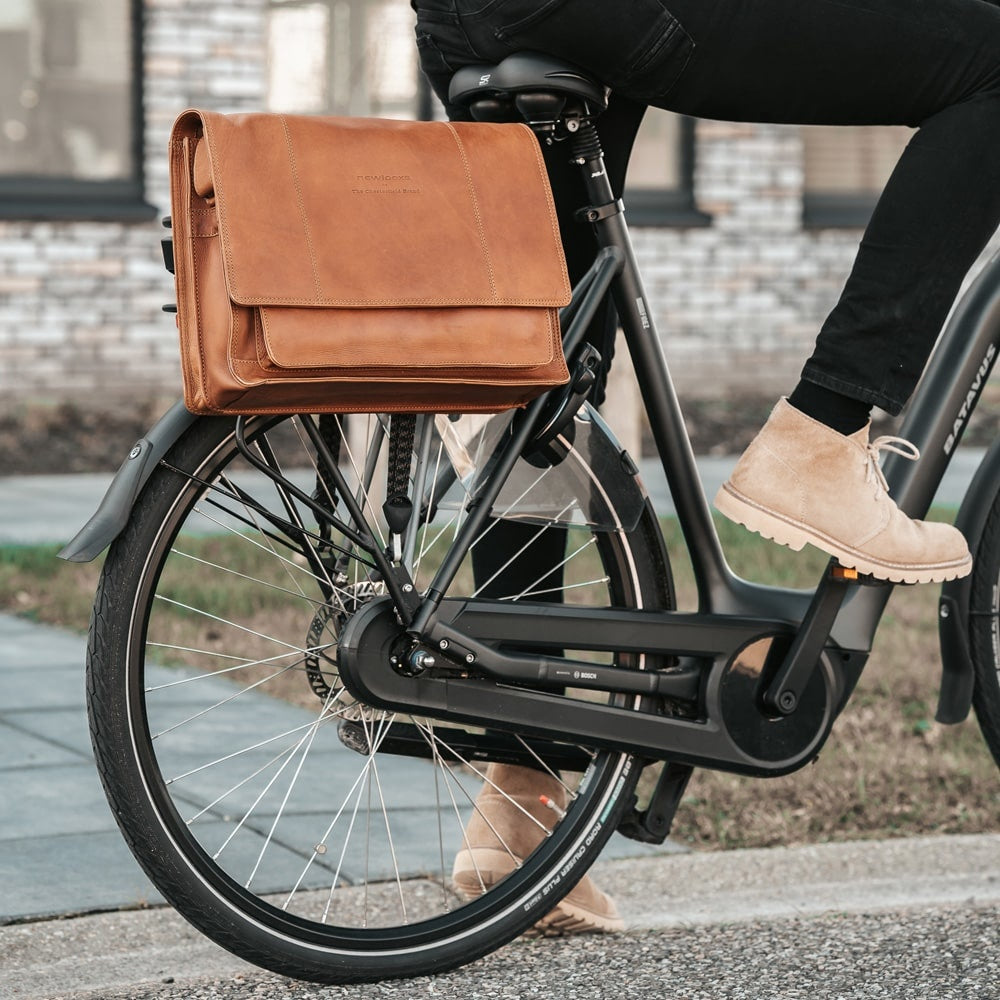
986 692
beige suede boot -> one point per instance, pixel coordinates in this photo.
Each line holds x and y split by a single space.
505 828
801 481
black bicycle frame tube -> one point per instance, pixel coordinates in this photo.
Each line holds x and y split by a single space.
959 368
584 305
712 574
961 365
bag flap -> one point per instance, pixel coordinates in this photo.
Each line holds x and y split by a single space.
365 213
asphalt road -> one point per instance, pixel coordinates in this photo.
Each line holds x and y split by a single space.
909 918
934 953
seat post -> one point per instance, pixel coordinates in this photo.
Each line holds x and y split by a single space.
712 575
587 153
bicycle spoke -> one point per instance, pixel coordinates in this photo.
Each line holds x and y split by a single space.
235 625
553 590
244 750
218 704
364 485
388 833
284 802
586 545
545 767
290 563
517 805
235 788
520 552
298 593
438 764
242 665
430 508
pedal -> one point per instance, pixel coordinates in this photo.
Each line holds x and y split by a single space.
652 824
850 575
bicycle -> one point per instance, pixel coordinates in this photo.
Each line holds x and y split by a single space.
291 686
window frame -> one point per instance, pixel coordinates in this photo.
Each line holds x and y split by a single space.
827 210
847 208
34 197
670 207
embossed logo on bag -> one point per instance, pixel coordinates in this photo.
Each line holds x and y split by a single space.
386 184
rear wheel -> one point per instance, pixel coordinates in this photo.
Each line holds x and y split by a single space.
230 751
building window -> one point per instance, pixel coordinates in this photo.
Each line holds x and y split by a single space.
343 57
70 109
659 189
846 169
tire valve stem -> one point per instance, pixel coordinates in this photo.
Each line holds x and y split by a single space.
549 804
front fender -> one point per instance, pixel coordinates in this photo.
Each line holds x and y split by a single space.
953 611
113 512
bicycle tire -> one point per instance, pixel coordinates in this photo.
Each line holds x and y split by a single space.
984 630
161 782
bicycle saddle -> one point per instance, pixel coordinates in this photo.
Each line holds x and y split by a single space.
527 86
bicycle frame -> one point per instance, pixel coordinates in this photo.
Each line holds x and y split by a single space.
826 633
944 400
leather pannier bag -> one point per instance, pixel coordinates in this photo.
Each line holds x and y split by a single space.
347 264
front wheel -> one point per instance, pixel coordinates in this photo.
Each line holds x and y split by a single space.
307 832
984 629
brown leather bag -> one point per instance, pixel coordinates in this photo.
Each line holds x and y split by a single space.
344 264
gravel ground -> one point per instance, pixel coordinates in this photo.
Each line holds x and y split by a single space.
939 953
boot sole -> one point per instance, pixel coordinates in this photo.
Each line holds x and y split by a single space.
565 918
794 534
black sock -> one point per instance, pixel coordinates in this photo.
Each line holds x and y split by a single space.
842 413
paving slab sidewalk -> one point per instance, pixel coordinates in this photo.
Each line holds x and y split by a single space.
36 509
60 849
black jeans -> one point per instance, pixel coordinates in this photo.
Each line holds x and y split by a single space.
930 64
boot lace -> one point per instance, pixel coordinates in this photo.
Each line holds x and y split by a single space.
898 446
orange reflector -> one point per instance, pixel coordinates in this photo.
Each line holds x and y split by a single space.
844 573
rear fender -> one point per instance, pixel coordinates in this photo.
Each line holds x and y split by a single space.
113 512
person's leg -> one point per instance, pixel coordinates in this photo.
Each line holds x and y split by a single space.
928 63
498 825
932 64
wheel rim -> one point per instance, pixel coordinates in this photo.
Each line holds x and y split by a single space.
268 821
